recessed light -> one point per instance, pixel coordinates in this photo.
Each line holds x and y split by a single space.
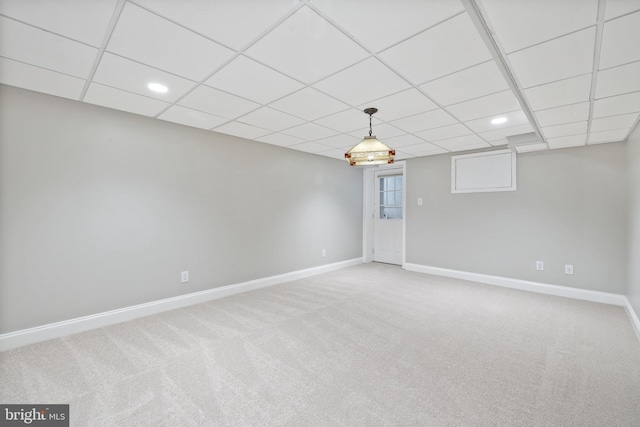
498 120
157 87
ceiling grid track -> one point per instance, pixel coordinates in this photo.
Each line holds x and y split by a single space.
298 73
596 64
502 62
238 53
415 86
103 46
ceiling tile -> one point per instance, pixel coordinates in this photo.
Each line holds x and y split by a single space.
399 22
557 59
563 92
309 104
363 82
251 80
565 130
446 48
403 140
624 121
193 118
306 47
382 131
268 118
502 134
618 80
565 114
342 141
242 130
404 156
333 153
38 79
310 131
283 45
310 147
122 100
87 22
33 46
428 152
474 82
475 146
348 120
519 24
490 105
567 141
131 76
230 22
620 7
218 103
459 141
401 104
615 105
421 148
616 46
165 45
514 118
431 151
444 132
424 121
607 136
280 139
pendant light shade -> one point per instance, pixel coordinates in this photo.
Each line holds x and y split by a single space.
370 151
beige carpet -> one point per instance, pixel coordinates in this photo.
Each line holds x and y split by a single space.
365 346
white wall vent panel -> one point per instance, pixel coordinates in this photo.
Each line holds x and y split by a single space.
483 172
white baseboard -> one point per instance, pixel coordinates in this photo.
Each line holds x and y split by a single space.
634 318
72 326
541 288
524 285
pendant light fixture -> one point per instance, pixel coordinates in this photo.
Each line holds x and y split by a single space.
370 151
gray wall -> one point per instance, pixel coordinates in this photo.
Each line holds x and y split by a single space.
570 208
101 209
633 293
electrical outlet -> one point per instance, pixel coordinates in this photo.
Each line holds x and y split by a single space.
184 276
568 269
419 201
324 253
540 265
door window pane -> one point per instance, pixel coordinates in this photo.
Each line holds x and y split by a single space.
390 201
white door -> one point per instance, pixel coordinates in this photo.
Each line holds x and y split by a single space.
388 216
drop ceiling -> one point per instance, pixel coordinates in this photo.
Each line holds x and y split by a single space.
298 73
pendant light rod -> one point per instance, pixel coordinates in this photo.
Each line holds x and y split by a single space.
370 111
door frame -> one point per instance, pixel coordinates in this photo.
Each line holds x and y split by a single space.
369 206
